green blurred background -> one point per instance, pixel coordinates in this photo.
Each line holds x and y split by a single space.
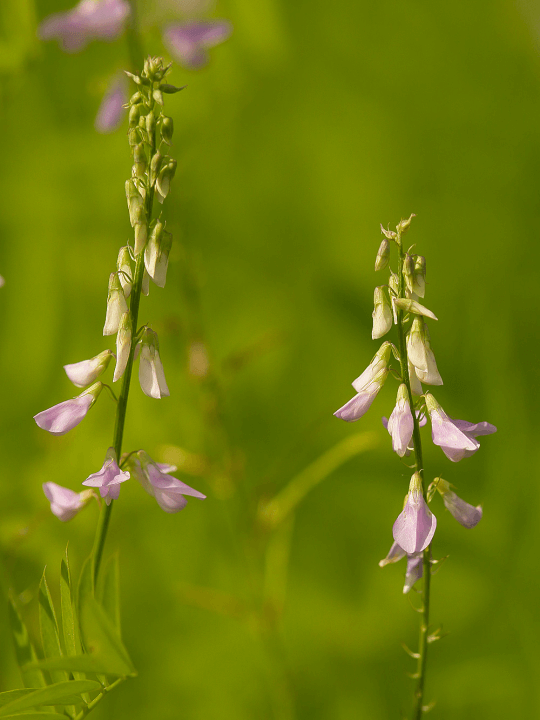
314 123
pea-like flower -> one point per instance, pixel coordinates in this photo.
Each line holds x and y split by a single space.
61 418
123 346
168 491
89 20
382 314
86 372
456 438
109 478
466 514
414 564
65 503
151 375
420 353
188 42
367 385
415 526
116 305
401 423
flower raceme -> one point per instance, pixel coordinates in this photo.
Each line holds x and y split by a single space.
61 418
66 503
155 478
456 438
109 478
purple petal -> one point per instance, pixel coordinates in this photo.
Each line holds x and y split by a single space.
187 42
170 502
63 417
415 526
415 570
163 481
111 111
400 427
466 514
358 406
455 444
394 555
65 503
475 429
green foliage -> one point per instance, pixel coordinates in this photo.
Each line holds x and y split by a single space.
91 642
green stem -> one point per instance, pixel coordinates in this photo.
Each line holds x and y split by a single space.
419 468
135 298
84 712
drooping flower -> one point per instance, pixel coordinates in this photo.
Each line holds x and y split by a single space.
108 479
188 42
383 255
111 111
420 353
85 372
456 438
413 306
401 424
123 266
61 418
415 525
422 420
414 564
466 514
116 305
87 21
156 254
379 362
151 375
419 277
168 491
65 503
382 314
367 385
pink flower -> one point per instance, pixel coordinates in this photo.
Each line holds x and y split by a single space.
188 42
456 438
414 564
415 526
61 418
108 479
65 503
85 372
167 490
401 424
367 386
466 514
111 111
89 20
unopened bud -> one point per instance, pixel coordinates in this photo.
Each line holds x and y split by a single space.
123 345
155 166
141 236
167 129
383 255
134 116
136 98
123 265
414 307
140 160
158 96
419 281
116 305
403 225
135 203
133 136
170 89
382 314
420 353
156 255
408 271
390 234
145 285
165 176
150 123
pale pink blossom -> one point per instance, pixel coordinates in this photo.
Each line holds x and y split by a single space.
61 418
415 525
65 503
466 514
168 491
112 110
85 372
109 478
189 42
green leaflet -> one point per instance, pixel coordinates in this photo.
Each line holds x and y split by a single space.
50 637
108 592
24 650
51 695
66 600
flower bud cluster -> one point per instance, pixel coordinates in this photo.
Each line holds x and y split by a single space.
147 259
398 304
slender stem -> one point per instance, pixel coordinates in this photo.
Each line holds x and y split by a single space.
419 468
135 298
84 712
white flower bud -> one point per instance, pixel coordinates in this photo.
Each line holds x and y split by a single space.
382 314
420 353
86 372
419 278
116 305
135 203
414 307
156 255
165 176
383 255
123 346
123 265
151 375
141 236
403 225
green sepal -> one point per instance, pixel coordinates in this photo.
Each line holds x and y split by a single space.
24 650
52 695
48 625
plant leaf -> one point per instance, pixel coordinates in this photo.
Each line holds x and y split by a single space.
49 629
24 650
68 616
101 638
37 716
108 592
51 695
86 583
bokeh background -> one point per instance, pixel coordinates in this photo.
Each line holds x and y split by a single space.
311 125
